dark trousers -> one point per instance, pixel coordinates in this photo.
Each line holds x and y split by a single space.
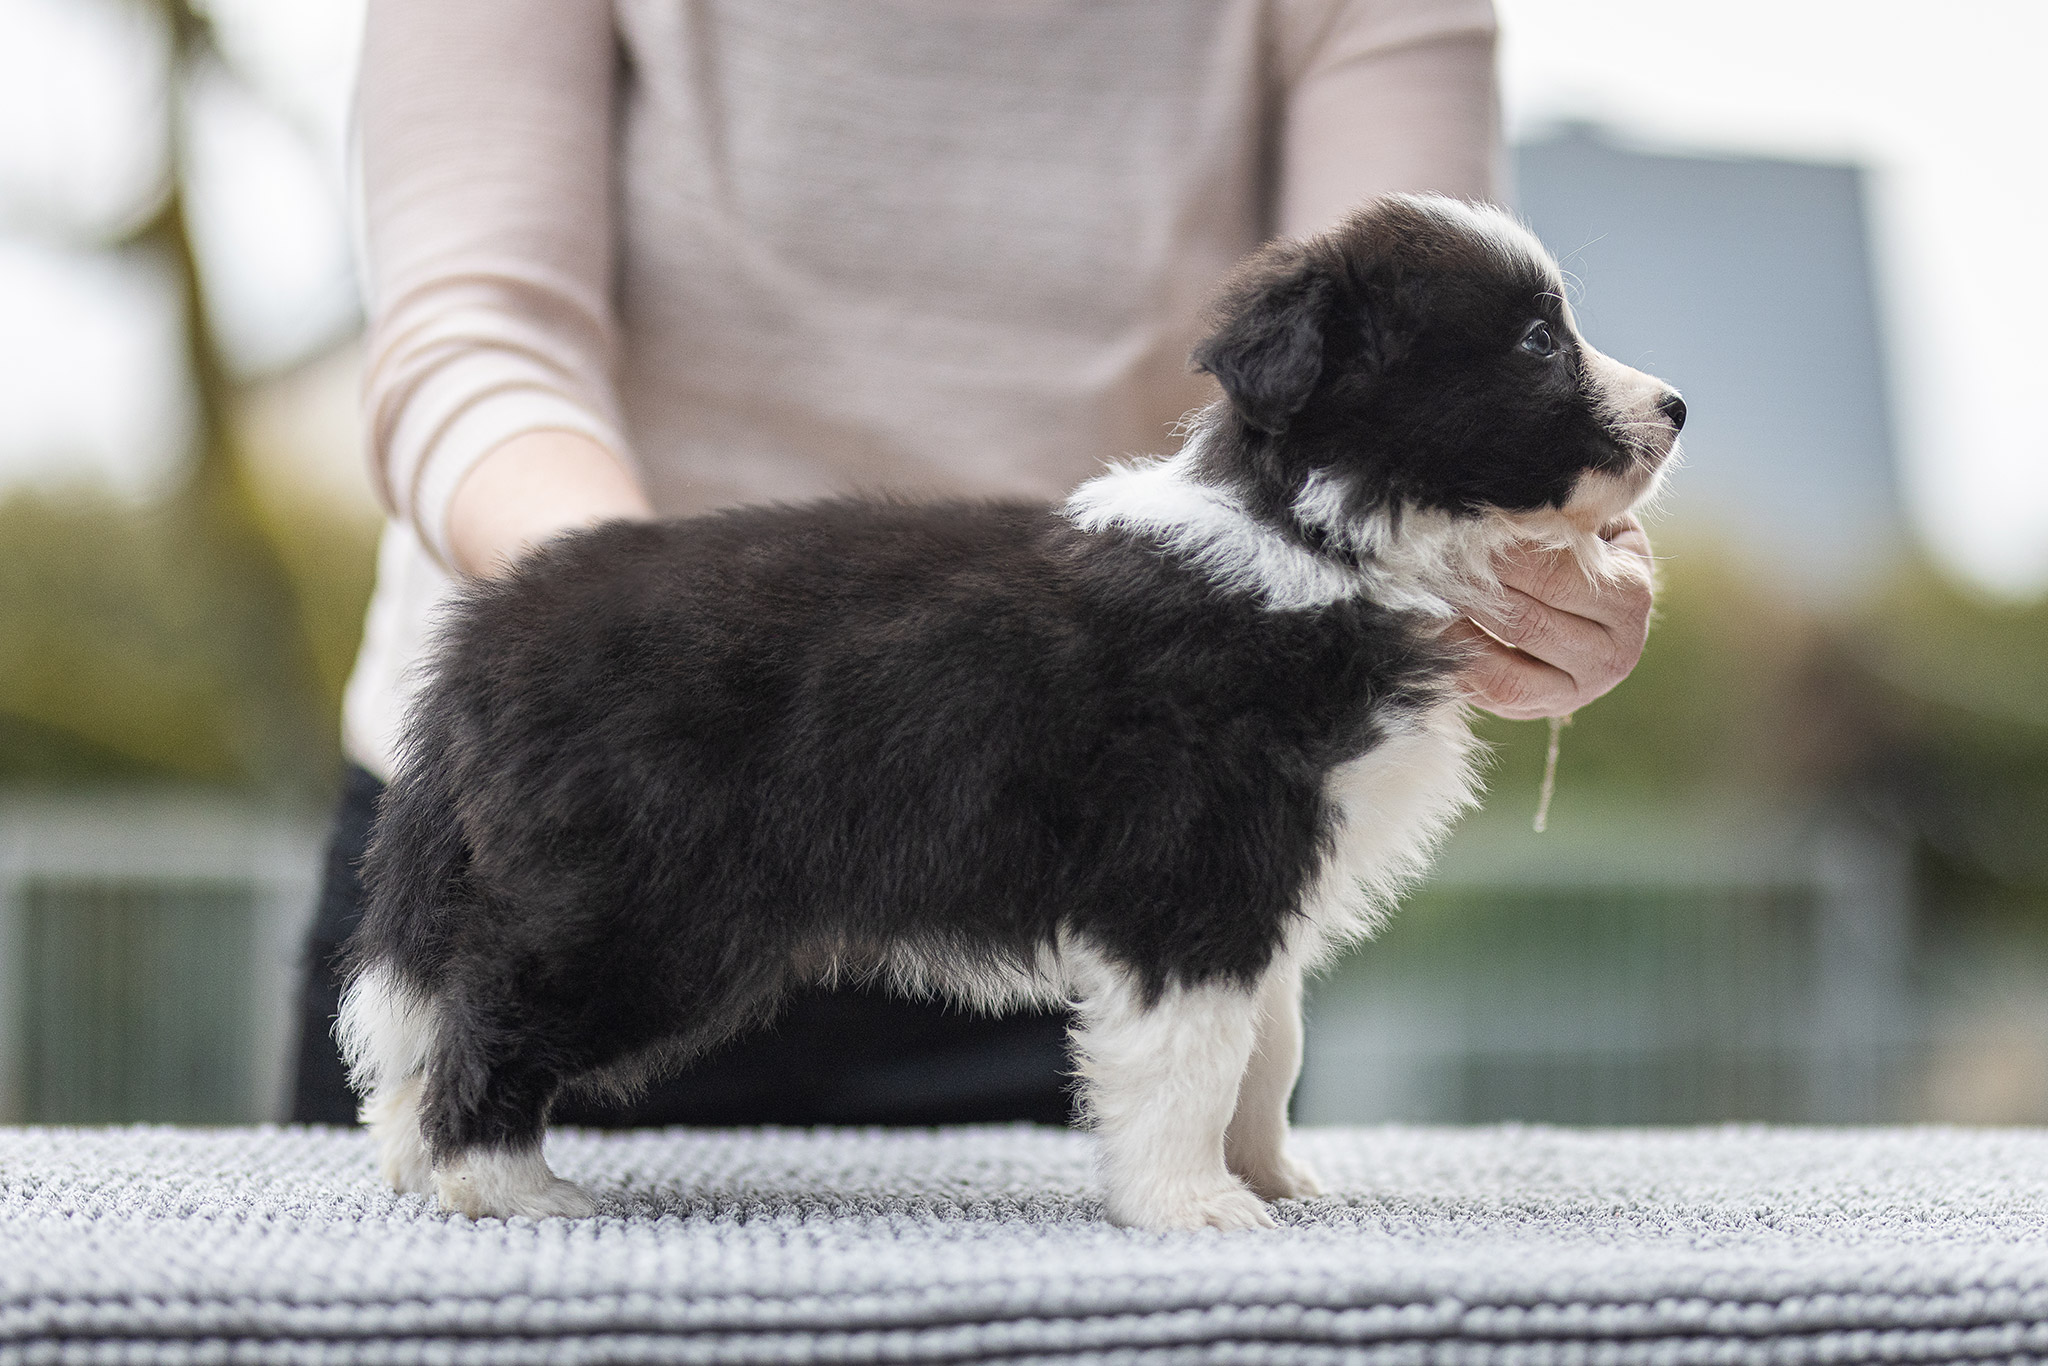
846 1056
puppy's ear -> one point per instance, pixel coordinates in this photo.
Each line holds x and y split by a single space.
1267 350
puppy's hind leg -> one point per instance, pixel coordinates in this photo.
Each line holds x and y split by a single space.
392 1115
484 1112
385 1030
1255 1145
1160 1081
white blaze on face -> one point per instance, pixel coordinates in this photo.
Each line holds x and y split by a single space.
1630 404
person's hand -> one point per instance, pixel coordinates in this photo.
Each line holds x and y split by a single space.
1560 639
531 489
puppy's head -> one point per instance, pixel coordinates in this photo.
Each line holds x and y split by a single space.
1421 358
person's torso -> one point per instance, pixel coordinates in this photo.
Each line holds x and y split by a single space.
923 245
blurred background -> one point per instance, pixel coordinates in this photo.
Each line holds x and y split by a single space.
1796 869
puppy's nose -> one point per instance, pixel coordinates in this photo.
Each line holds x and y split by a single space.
1673 407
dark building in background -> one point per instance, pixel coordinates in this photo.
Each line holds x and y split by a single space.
1749 284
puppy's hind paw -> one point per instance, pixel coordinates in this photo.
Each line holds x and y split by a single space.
502 1185
1283 1178
558 1199
561 1199
1228 1207
408 1173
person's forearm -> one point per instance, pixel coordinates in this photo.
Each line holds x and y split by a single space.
532 488
485 181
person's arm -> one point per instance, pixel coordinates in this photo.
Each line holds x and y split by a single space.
484 133
1390 95
1383 96
530 489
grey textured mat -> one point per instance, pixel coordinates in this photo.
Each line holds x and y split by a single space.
1499 1244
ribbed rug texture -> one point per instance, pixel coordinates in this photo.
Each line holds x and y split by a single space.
1505 1244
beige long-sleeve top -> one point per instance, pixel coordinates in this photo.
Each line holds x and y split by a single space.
784 248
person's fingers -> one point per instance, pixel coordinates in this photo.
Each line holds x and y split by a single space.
1587 650
1628 535
1509 683
1593 630
1554 578
1556 639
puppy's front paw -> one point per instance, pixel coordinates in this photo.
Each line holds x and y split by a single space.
1225 1206
1282 1178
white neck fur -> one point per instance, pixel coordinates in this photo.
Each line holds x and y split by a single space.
1422 561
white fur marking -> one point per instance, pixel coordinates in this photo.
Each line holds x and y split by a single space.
385 1030
1160 1085
1417 559
1629 405
393 1117
498 1183
1255 1145
1393 805
1162 496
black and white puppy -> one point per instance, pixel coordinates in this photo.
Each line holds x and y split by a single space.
1153 753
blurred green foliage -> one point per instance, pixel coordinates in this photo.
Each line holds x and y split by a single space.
1717 706
154 642
202 638
1921 705
1962 752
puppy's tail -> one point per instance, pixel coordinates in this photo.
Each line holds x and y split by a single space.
413 871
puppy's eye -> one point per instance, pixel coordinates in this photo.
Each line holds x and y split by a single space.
1538 341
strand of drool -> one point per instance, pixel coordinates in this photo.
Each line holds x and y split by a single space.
1557 725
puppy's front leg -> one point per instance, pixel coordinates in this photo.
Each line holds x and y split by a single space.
1255 1145
1160 1082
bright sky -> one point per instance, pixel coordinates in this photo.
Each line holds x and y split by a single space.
1945 104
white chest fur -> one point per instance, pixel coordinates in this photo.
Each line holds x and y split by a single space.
1392 806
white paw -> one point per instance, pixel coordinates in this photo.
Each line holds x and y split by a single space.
493 1185
1225 1207
409 1171
558 1198
565 1199
1281 1178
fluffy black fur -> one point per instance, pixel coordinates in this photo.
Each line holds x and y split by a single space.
664 766
664 772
